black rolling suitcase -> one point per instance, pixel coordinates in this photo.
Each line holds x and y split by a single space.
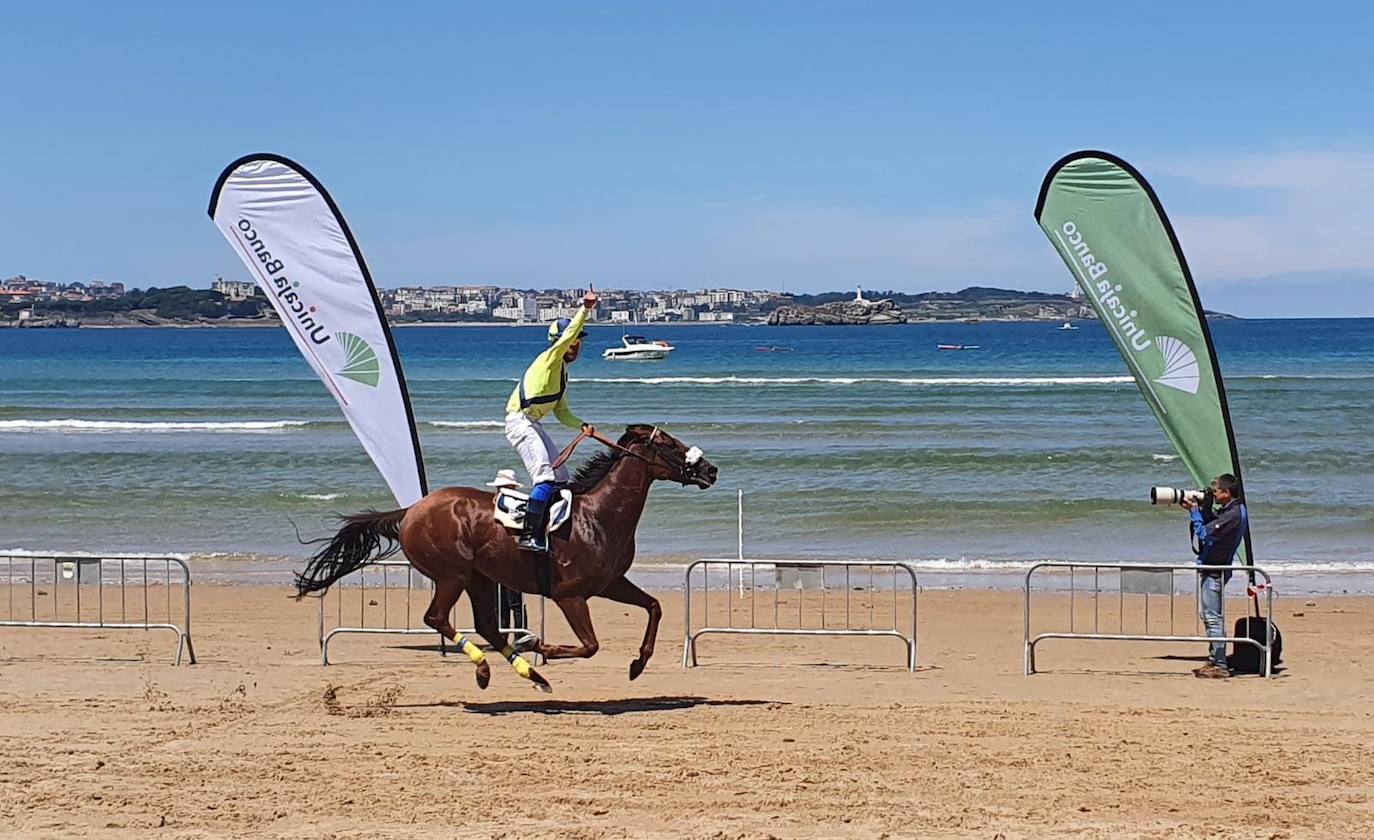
1248 659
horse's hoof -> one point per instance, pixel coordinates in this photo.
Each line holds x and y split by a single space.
540 683
637 668
483 675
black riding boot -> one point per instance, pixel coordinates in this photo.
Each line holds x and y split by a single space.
535 536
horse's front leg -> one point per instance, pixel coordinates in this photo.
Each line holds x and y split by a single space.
624 592
580 620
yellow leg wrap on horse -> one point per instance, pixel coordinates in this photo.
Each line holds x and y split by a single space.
473 651
518 662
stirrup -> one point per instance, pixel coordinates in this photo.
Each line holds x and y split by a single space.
533 542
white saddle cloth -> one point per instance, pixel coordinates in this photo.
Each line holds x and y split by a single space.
509 507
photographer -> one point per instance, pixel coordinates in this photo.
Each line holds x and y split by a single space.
1217 535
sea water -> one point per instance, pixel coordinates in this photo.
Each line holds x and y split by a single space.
848 442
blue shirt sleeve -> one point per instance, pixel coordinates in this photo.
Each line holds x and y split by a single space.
1199 527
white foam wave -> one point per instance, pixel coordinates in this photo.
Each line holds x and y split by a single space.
117 555
943 564
467 424
1004 381
1274 567
73 425
1278 566
1301 376
1021 567
322 497
1165 458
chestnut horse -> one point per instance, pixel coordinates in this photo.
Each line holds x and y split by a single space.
452 537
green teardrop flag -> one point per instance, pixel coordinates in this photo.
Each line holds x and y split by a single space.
1105 220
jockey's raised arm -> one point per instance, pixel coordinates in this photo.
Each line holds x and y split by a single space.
571 331
543 389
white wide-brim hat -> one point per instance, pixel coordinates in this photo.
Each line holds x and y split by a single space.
505 478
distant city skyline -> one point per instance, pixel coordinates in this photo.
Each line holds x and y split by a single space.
796 147
1295 298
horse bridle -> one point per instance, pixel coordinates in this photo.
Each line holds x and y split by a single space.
688 466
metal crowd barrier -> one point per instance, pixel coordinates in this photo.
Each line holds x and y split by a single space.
747 609
1146 580
98 592
395 605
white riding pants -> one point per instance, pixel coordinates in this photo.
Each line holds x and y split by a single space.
535 447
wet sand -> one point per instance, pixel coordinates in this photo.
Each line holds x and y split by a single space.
101 736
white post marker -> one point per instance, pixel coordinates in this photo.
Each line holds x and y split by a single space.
740 544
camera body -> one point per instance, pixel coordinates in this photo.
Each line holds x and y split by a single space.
1174 495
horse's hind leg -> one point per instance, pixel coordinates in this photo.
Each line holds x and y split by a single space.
624 592
485 612
446 594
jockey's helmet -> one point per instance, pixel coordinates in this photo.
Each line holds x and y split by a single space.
557 327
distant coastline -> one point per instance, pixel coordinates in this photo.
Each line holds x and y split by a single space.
267 323
183 308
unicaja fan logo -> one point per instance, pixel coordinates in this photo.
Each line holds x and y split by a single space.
360 360
1180 365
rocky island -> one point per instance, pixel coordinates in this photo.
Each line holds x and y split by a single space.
841 312
976 303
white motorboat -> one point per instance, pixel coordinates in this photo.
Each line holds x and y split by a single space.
638 347
1067 326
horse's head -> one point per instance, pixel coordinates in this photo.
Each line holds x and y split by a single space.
669 459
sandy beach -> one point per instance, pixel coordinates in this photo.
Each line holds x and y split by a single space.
101 736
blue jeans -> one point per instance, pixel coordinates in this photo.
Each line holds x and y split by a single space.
1212 609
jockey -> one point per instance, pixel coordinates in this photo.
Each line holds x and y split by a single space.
544 389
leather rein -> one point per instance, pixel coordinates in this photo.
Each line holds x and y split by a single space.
599 438
685 466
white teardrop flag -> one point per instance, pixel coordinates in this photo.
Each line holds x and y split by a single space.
283 224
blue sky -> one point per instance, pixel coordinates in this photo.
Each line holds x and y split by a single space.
795 145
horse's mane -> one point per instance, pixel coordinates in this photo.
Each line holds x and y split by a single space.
597 467
593 471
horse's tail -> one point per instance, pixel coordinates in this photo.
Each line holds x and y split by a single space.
364 539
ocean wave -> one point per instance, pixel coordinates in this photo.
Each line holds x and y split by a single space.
1018 566
74 425
467 424
1302 376
1277 567
1005 380
1165 458
116 555
322 497
937 381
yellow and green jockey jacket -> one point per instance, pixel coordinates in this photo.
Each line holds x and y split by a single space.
544 387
